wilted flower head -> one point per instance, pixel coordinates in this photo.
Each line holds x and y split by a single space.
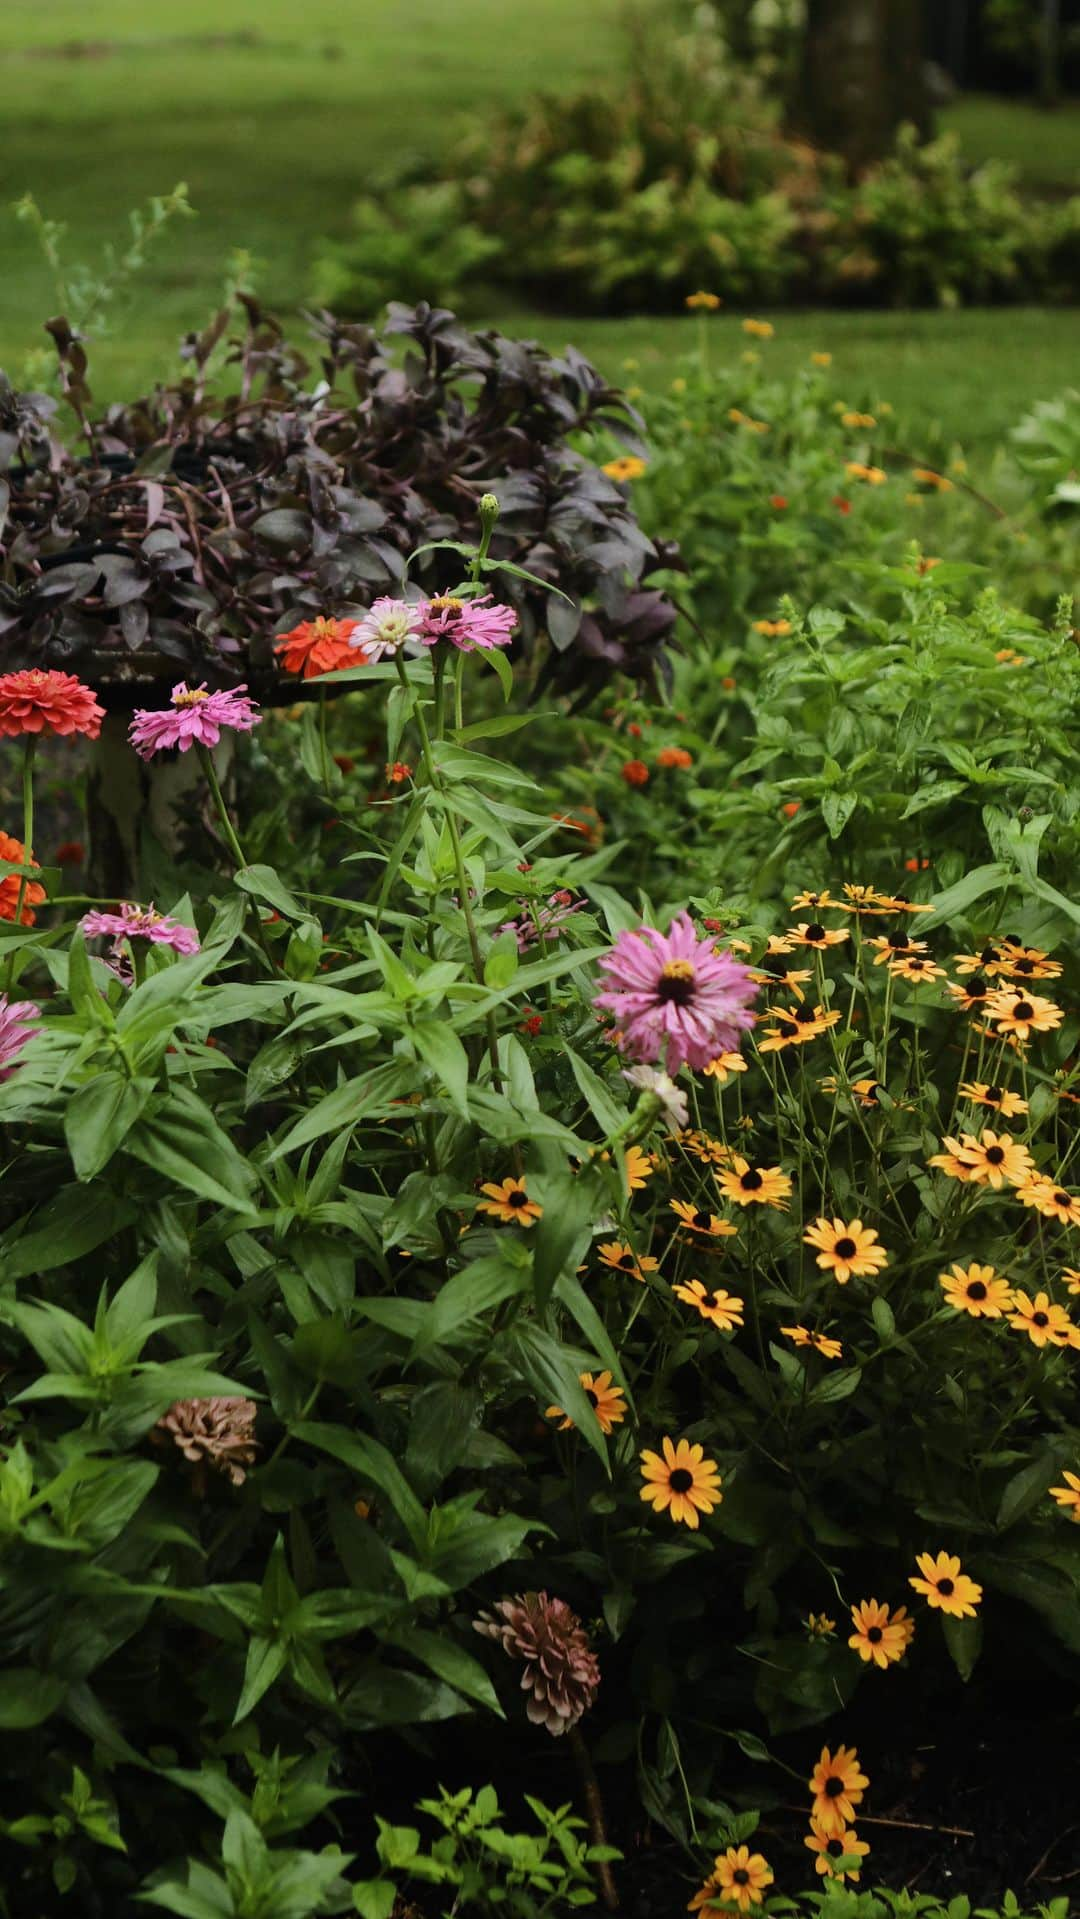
562 1673
16 1031
673 1101
467 624
140 922
46 703
218 1433
195 718
385 629
674 997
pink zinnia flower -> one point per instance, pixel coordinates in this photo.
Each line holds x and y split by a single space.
675 997
141 922
195 718
15 1031
385 629
468 624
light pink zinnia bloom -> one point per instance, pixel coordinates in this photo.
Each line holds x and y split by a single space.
141 922
675 997
16 1031
562 1672
468 624
385 629
195 718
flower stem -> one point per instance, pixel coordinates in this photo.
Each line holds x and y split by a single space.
28 837
239 857
594 1805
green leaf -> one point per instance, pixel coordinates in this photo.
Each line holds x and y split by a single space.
836 810
482 1284
1026 1489
550 1372
99 1117
608 1115
956 899
372 1462
263 884
441 1049
374 1898
370 1095
963 1637
883 1317
27 1697
183 1142
266 1661
66 1228
449 1662
572 1204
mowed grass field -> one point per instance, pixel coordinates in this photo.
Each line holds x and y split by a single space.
278 115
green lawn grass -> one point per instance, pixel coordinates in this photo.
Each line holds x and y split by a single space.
1043 147
278 115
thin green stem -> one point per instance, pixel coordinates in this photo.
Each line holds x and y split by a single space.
28 837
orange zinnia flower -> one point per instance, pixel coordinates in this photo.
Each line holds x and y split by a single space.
46 703
318 646
33 894
673 756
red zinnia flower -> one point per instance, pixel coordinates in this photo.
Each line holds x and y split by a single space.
398 773
841 505
70 853
317 646
674 756
45 703
33 894
635 773
779 501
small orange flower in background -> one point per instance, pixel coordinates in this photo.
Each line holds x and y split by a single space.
872 475
759 329
626 467
821 359
510 1203
1045 1323
802 1336
33 894
607 1401
635 773
838 1786
722 1310
683 1482
839 502
879 1637
848 1248
925 476
728 683
779 502
976 1290
857 419
790 808
832 1846
702 302
1068 1496
674 756
755 1185
46 704
398 773
586 822
944 1587
620 1257
318 646
772 629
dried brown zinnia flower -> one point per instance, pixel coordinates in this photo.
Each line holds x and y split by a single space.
213 1432
562 1673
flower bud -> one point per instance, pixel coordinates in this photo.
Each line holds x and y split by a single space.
489 508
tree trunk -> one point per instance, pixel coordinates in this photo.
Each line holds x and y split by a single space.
860 77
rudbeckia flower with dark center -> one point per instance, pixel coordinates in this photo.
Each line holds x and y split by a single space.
755 1185
977 1290
696 1220
682 1482
847 1248
944 1587
723 1310
510 1203
837 1785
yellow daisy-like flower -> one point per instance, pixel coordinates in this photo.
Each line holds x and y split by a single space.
772 629
925 476
837 1786
739 1878
723 1310
847 1247
682 1482
509 1202
812 933
988 960
821 1343
1068 1496
820 1626
1051 1200
814 902
832 1847
877 1637
639 1167
865 1090
1045 1323
864 899
892 946
800 1024
1027 962
857 420
873 475
944 1587
710 1151
1071 1279
755 1185
998 1097
773 972
994 1160
1021 1014
900 903
972 995
621 1258
607 1401
821 359
702 302
976 1290
759 329
916 969
724 1065
697 1221
626 467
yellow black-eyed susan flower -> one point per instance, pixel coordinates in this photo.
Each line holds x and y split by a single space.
722 1310
606 1399
755 1185
621 1258
509 1202
1068 1496
999 1098
891 946
813 933
837 1785
831 1847
697 1220
741 1877
681 1481
971 995
1051 1200
627 466
820 1626
915 968
977 1290
944 1587
879 1637
724 1065
814 902
798 1025
847 1248
821 1343
1020 1014
994 1160
1044 1322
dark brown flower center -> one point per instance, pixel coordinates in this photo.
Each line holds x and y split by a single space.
516 1198
680 1480
627 1262
676 987
740 1876
1023 966
988 955
874 1635
994 1093
750 1180
806 1015
815 931
995 1155
591 1396
833 1787
977 987
844 1248
835 1848
1062 1199
899 941
976 1290
701 1220
946 1588
1040 1319
1023 1009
